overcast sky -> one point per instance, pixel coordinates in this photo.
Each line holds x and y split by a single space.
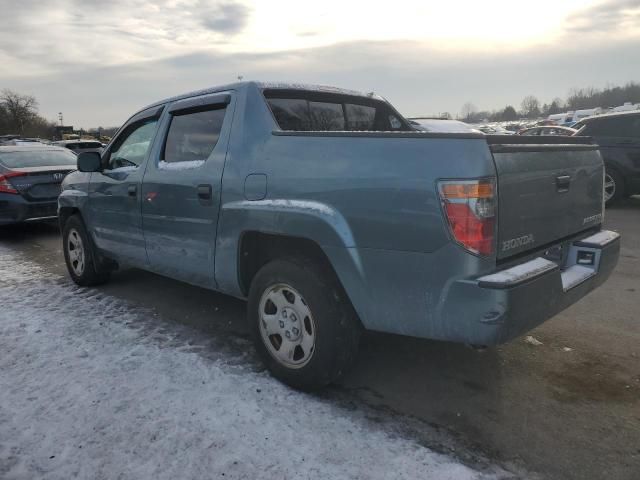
97 61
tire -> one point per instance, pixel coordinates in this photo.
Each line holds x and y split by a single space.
304 299
80 254
613 187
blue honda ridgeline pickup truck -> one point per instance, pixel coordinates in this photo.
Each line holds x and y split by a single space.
330 213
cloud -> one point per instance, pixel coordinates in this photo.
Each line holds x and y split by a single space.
608 16
228 18
39 36
99 61
419 79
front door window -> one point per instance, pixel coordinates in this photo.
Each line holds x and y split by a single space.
130 150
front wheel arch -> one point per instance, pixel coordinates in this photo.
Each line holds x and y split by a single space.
64 213
98 268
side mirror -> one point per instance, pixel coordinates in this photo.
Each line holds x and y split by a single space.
89 162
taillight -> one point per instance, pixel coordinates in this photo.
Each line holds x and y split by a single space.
470 207
5 184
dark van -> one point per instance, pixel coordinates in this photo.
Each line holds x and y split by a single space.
618 135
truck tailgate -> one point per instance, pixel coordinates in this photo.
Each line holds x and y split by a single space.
548 188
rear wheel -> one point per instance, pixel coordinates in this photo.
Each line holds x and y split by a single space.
80 254
303 326
613 186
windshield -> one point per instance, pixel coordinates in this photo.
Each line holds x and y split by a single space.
578 127
37 158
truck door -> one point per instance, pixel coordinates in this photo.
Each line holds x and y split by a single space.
114 193
182 186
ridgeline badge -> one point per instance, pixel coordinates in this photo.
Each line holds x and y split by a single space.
592 218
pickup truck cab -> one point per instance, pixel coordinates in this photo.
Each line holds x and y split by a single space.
329 213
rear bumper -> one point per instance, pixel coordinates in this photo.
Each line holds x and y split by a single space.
15 209
496 308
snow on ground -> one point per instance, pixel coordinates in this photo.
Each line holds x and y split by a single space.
93 388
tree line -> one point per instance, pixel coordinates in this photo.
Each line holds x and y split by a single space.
578 98
19 115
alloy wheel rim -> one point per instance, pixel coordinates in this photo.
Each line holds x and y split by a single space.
75 249
609 187
286 326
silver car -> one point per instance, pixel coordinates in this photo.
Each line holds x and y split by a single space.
80 146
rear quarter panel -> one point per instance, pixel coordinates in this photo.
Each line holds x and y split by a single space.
369 201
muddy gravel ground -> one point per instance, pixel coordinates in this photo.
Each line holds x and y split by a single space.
565 408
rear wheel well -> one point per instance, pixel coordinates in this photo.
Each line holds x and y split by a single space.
256 249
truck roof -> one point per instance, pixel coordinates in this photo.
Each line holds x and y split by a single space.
266 85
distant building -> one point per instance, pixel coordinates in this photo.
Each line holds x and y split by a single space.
62 130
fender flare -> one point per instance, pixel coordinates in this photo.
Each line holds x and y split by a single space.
307 219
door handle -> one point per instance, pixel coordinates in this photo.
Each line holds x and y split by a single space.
204 192
562 183
132 190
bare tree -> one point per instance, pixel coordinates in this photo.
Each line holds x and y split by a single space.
19 109
530 106
468 111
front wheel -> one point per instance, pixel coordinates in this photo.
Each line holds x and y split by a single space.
80 255
303 326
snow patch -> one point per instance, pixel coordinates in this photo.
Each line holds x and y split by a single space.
286 204
128 168
575 275
91 387
601 238
521 272
188 165
531 340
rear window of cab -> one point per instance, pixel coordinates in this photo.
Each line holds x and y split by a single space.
310 111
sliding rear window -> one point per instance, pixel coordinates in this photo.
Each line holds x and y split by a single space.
304 111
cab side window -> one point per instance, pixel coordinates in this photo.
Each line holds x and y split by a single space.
131 148
193 135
